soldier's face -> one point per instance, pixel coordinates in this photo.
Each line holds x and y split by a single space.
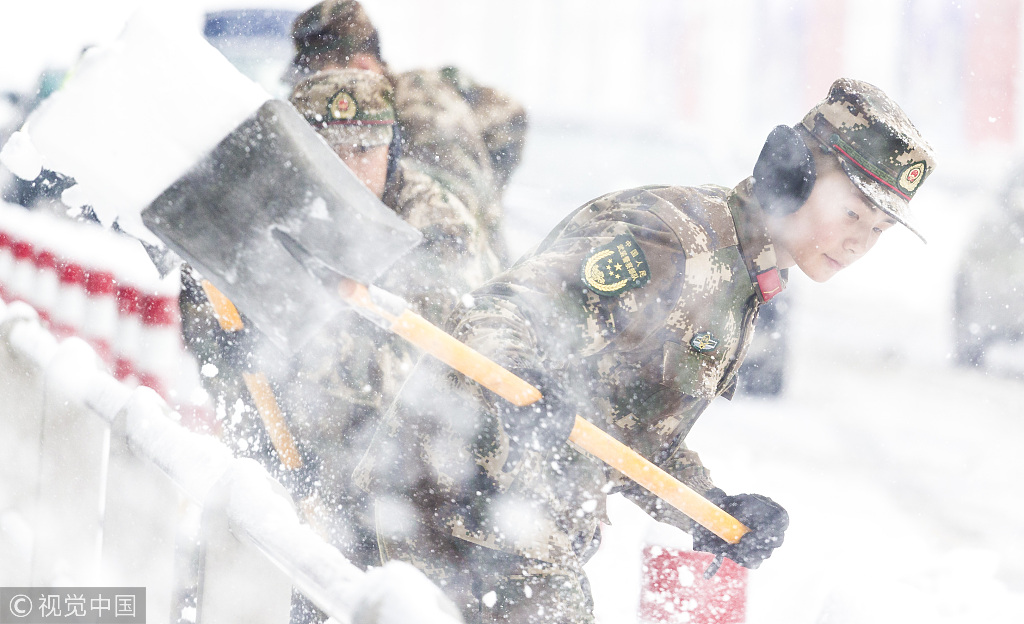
832 230
370 164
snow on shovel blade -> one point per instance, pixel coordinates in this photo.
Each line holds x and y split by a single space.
273 172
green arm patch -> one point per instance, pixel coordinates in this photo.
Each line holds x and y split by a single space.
615 267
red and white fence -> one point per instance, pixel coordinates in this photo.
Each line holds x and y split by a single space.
98 285
101 486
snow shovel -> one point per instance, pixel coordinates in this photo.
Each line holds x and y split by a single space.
274 173
277 222
391 313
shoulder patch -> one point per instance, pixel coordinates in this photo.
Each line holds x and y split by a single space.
616 267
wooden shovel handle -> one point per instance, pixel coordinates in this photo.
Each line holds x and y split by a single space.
598 443
464 359
227 314
585 434
259 387
432 339
273 421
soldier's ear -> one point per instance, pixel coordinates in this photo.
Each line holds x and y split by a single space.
784 174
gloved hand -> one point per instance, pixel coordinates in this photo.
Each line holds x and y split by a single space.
765 518
542 426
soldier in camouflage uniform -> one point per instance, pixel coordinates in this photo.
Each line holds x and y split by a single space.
468 137
347 375
335 389
634 313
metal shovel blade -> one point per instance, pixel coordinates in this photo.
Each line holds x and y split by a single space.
274 172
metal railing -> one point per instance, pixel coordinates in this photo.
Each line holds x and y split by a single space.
101 486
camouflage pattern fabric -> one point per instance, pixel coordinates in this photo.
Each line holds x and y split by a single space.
455 255
347 106
879 147
332 30
642 302
468 136
335 389
341 382
490 586
472 134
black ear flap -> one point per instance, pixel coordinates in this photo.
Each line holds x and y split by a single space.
784 173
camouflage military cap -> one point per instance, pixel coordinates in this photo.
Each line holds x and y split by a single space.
880 149
348 106
340 26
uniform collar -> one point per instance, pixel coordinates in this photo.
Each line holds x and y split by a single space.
756 246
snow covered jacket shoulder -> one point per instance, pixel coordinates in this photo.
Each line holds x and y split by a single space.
469 137
643 303
455 255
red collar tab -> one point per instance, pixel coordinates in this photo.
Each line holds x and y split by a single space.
770 283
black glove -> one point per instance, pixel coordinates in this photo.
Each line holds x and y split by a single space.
765 518
542 426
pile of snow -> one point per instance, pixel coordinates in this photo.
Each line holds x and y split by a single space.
134 115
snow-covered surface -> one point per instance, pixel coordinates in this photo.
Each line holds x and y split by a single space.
88 245
144 107
901 472
257 510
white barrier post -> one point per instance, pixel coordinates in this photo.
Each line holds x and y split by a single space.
140 526
129 329
237 582
22 271
160 340
47 284
69 506
21 386
67 317
100 315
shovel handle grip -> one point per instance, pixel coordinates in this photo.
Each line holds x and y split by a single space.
600 444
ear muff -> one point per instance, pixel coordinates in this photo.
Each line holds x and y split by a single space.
784 173
394 150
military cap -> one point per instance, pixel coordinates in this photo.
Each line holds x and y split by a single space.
338 27
880 149
348 106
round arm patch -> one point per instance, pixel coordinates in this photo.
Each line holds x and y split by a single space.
615 267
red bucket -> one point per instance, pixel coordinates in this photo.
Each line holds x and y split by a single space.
676 592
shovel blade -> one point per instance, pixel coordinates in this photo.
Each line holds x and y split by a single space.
275 172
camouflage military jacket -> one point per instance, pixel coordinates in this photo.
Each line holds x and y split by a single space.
353 363
352 369
643 303
468 136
